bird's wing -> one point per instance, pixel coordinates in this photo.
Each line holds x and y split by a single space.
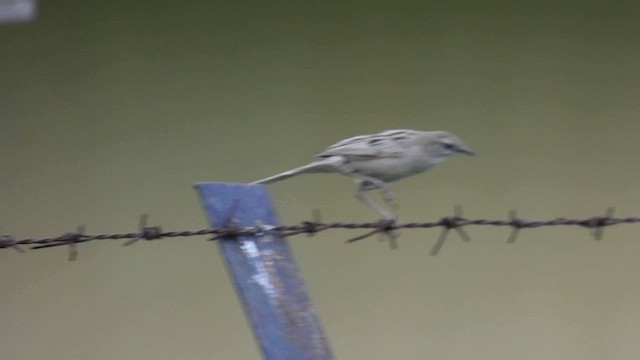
386 144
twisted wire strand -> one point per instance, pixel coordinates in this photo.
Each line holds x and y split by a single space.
387 228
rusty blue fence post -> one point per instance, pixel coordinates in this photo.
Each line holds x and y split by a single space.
265 275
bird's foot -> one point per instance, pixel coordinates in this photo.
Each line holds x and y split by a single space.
387 229
388 217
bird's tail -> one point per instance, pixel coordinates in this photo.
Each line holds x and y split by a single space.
326 165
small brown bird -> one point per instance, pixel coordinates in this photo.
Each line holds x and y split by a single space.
376 159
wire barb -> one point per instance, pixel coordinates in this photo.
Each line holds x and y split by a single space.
144 231
516 224
70 239
310 227
73 248
8 241
230 228
383 227
450 222
598 223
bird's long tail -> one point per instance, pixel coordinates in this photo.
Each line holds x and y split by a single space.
327 165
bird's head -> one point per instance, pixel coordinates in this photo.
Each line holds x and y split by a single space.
441 144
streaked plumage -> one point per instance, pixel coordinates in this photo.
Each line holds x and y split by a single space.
373 160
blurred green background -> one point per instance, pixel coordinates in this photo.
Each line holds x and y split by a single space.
115 108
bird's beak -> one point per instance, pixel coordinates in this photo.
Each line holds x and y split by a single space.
466 150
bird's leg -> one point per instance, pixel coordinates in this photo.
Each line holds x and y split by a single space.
363 187
387 195
370 183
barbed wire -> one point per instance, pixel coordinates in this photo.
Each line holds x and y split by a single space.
385 227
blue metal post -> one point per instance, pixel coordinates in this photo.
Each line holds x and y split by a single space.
265 274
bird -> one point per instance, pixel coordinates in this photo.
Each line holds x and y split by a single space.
375 160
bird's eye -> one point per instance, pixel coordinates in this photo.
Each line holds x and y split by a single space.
448 146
